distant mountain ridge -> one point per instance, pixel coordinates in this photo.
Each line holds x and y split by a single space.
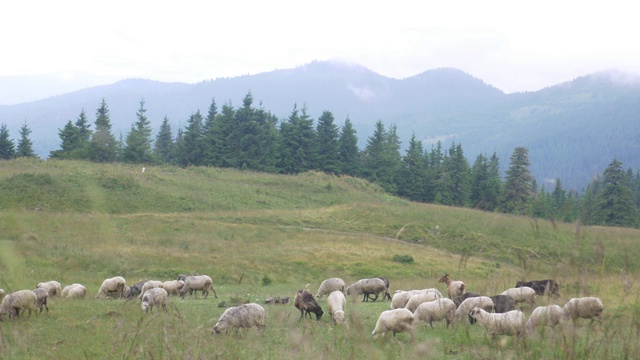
573 130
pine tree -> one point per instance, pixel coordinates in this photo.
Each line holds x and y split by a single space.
458 174
69 137
191 146
210 156
437 191
615 203
103 147
327 144
348 153
382 158
413 173
558 200
83 141
298 140
164 146
25 145
137 147
518 193
7 147
483 193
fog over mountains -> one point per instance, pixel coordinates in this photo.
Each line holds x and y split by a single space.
573 130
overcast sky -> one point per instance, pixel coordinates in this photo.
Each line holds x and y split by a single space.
513 45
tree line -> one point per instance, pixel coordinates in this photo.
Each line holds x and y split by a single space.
252 138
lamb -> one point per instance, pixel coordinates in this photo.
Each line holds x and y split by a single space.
436 310
337 303
586 308
151 284
173 287
330 285
418 299
509 323
544 316
243 316
154 297
197 282
15 303
53 287
455 288
396 321
367 287
305 302
401 297
541 287
483 302
503 303
76 292
521 294
41 298
113 285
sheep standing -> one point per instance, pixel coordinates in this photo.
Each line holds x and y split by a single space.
154 297
53 287
483 302
135 289
548 286
544 316
173 287
367 287
243 316
305 302
509 323
436 310
337 304
521 294
455 288
418 299
586 308
396 321
197 282
330 285
16 303
113 285
151 284
401 297
41 298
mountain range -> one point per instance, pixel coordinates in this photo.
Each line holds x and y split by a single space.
573 130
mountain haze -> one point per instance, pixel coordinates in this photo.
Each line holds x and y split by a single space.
573 130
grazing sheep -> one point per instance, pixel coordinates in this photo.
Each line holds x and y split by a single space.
509 323
548 286
330 285
401 297
396 321
197 282
135 289
305 302
77 292
337 304
464 297
41 298
65 290
586 308
455 288
521 294
503 303
418 299
367 287
243 316
386 292
544 316
173 287
483 302
16 303
154 297
113 285
53 287
151 284
436 310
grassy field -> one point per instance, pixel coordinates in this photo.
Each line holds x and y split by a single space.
83 222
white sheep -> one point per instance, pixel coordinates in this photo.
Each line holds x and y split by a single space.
151 284
509 323
76 292
15 303
396 321
401 297
337 303
243 316
544 316
455 288
65 290
436 310
367 287
418 299
53 287
585 307
330 285
483 302
41 298
197 282
173 287
154 297
521 294
112 285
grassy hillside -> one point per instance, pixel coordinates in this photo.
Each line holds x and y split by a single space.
260 235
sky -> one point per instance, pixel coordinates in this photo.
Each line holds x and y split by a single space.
512 45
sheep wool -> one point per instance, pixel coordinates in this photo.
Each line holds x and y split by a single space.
483 302
436 310
367 287
195 283
521 294
337 304
41 298
154 297
544 316
330 285
53 287
243 316
112 285
586 308
509 323
395 321
418 299
16 303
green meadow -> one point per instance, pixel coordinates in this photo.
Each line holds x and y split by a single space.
263 235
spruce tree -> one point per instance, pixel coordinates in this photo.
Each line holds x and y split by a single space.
348 153
518 193
298 140
103 146
413 173
25 145
382 159
137 147
327 144
69 137
7 147
191 150
210 156
164 146
615 203
83 140
480 180
458 174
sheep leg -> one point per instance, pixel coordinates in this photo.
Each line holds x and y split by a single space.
214 292
205 293
374 299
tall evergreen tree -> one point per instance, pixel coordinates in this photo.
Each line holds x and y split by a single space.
190 149
459 176
137 148
298 140
327 144
83 140
382 158
226 143
103 147
210 156
615 203
69 137
558 199
518 193
7 147
25 145
163 146
437 177
483 190
348 153
413 173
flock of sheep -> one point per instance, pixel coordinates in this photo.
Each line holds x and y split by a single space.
497 314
